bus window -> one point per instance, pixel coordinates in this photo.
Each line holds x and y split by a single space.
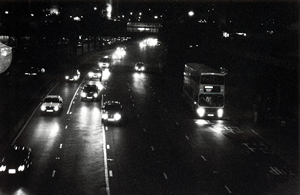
211 100
212 79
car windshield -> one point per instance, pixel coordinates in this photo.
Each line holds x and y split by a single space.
90 88
51 99
112 107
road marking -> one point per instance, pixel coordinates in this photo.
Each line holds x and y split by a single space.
72 101
138 115
203 158
110 173
152 148
187 137
107 147
106 128
66 126
53 173
176 123
228 190
105 164
60 146
165 175
144 129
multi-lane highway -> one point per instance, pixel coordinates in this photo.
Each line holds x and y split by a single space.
161 147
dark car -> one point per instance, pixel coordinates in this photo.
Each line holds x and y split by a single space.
139 66
72 75
34 71
16 160
90 92
95 73
52 104
112 111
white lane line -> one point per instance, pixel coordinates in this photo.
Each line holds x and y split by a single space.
165 175
203 158
138 115
110 173
53 173
105 163
187 137
66 127
144 129
177 123
152 148
72 101
60 146
228 190
108 147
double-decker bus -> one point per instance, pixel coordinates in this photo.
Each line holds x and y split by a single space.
204 88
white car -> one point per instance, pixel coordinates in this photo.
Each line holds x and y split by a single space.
104 62
52 104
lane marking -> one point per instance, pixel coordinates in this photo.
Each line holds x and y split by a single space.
60 146
53 173
105 163
108 147
187 137
73 99
228 190
110 173
177 123
203 158
144 129
165 175
66 126
152 148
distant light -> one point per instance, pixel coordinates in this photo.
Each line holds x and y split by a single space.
155 17
131 13
140 13
191 13
95 8
6 12
32 15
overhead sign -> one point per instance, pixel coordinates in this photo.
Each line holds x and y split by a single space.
5 57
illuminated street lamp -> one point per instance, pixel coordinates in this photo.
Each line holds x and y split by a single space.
5 57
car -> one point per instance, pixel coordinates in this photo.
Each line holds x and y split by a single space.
52 104
72 75
90 92
139 66
16 160
95 73
34 71
112 111
105 62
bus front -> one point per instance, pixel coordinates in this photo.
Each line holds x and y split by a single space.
211 98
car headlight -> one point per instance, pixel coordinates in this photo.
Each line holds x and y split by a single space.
117 116
95 95
99 74
201 112
76 77
105 116
220 113
91 74
143 68
56 108
2 168
83 94
43 107
67 77
21 168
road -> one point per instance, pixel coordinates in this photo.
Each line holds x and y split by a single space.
161 147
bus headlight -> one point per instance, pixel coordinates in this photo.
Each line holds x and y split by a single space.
2 168
117 116
43 108
21 168
105 116
201 112
220 113
56 108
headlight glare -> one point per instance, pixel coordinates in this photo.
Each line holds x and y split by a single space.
201 112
